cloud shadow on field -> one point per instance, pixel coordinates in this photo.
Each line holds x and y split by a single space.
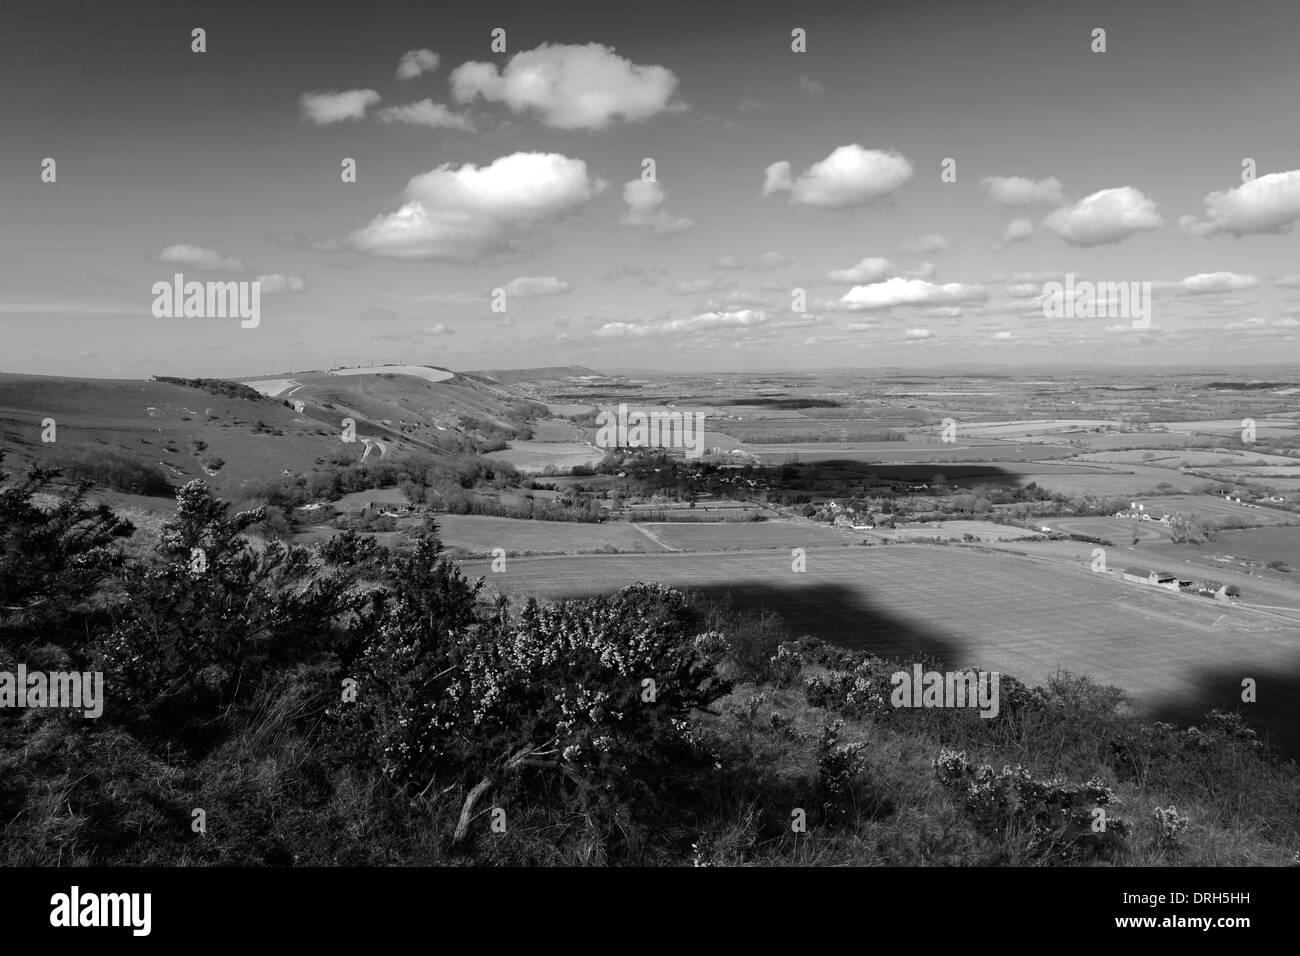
833 613
1275 715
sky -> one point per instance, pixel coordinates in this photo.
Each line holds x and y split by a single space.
902 191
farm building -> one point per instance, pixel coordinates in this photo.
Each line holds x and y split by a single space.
1159 579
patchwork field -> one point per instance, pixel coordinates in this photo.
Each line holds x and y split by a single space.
727 536
532 456
1177 656
479 534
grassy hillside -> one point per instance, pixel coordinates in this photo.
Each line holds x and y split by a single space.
348 706
163 433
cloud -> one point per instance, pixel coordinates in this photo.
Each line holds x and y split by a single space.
623 270
426 113
1288 282
416 335
274 283
745 297
739 320
645 202
332 106
1268 204
1019 191
924 245
532 287
1018 230
1210 283
918 334
764 263
570 87
810 86
197 257
899 291
1002 335
1110 215
415 62
461 214
694 286
849 176
868 270
1025 290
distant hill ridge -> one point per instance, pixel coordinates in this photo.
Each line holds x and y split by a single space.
546 373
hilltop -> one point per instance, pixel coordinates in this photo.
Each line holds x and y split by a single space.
168 430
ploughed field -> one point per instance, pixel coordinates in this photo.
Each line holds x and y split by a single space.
1177 656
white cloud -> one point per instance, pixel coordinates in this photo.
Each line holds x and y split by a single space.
1289 282
570 86
645 202
333 106
1018 230
899 291
415 62
693 286
764 263
810 86
924 245
1024 290
1209 283
918 333
1019 191
461 214
1110 215
849 176
531 287
1002 335
426 113
197 257
741 322
274 283
868 270
1268 204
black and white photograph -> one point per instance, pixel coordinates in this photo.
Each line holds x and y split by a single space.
528 439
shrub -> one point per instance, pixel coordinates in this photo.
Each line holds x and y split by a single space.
589 701
112 470
205 624
53 558
1060 818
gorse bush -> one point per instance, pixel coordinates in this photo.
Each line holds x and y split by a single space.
112 469
588 701
206 623
1063 821
53 558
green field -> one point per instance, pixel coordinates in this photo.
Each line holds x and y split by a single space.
724 536
479 534
1175 654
